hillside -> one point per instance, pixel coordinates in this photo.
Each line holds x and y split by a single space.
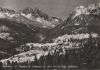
33 34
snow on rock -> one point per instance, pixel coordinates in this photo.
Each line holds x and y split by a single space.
2 15
39 20
29 16
6 15
80 10
9 15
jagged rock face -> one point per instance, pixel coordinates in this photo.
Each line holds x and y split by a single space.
81 20
91 9
78 11
41 17
32 15
85 16
27 10
5 10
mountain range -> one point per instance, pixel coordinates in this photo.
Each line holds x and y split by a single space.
81 20
34 26
26 25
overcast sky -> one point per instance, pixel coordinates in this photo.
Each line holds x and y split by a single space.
59 8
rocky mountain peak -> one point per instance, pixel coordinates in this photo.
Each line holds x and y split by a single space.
27 10
79 10
5 10
91 9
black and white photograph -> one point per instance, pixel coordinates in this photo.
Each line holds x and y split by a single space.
49 34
